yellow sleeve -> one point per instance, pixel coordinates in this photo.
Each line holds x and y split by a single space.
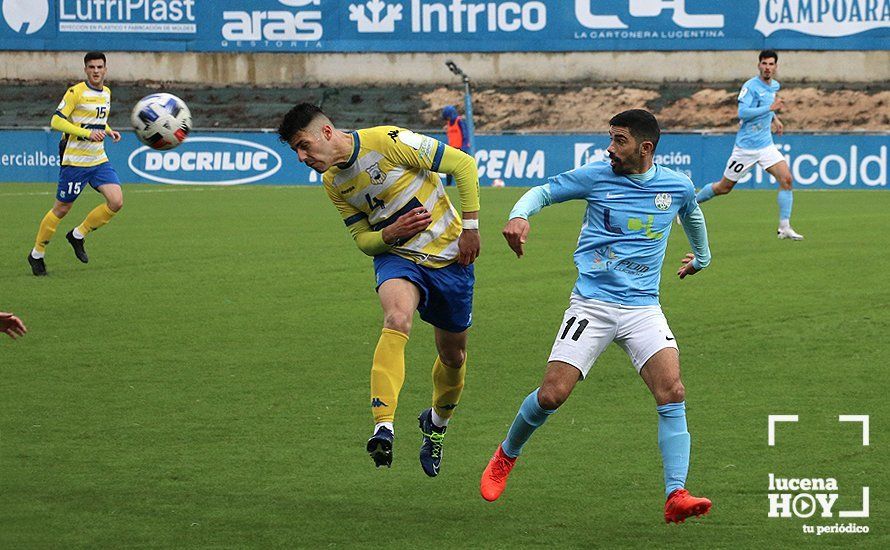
420 151
369 242
68 104
62 125
463 167
60 120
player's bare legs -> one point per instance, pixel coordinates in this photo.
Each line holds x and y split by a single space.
61 209
782 174
559 381
114 196
662 375
399 299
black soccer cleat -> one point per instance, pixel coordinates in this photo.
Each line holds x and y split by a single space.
380 447
38 266
77 245
431 444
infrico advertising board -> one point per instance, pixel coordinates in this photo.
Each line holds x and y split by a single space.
444 25
229 158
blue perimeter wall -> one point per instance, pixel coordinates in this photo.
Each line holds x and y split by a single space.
444 25
841 161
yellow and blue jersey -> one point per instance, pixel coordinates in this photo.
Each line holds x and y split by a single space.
88 108
392 171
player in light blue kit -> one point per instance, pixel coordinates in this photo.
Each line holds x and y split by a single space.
631 203
758 105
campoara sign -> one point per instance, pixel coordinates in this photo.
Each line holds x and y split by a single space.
207 161
828 18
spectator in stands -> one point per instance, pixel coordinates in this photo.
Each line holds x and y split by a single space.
456 130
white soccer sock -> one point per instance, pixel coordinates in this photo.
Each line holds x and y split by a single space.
36 255
784 224
387 425
438 420
77 234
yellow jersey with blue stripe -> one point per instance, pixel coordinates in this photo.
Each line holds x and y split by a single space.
87 108
392 171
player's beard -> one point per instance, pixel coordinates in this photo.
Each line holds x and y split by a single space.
631 165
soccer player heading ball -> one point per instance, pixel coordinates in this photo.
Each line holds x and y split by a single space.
82 117
385 184
631 203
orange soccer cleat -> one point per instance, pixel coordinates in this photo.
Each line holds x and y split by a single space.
494 478
681 505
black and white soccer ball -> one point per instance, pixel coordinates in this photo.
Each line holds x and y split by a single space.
161 121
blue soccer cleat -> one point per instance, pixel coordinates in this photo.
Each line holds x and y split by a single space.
380 447
431 445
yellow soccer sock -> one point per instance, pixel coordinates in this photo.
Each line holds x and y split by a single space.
97 217
448 383
48 226
387 374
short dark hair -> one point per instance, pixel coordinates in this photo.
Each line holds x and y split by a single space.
297 119
641 123
90 56
766 54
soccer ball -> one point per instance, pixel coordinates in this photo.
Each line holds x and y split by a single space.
161 121
497 183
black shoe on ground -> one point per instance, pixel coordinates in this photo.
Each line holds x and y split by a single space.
38 266
77 245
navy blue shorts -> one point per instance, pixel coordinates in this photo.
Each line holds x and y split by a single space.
73 179
446 294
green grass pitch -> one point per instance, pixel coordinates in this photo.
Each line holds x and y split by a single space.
203 381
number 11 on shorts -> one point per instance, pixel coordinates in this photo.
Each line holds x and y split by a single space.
582 324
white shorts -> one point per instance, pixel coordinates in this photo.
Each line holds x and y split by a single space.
589 326
743 160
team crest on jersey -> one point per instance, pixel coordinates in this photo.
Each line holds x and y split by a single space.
377 175
663 201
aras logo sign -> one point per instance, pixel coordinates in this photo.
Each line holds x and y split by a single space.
207 161
25 16
300 23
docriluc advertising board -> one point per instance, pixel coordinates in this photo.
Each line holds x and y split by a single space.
842 161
